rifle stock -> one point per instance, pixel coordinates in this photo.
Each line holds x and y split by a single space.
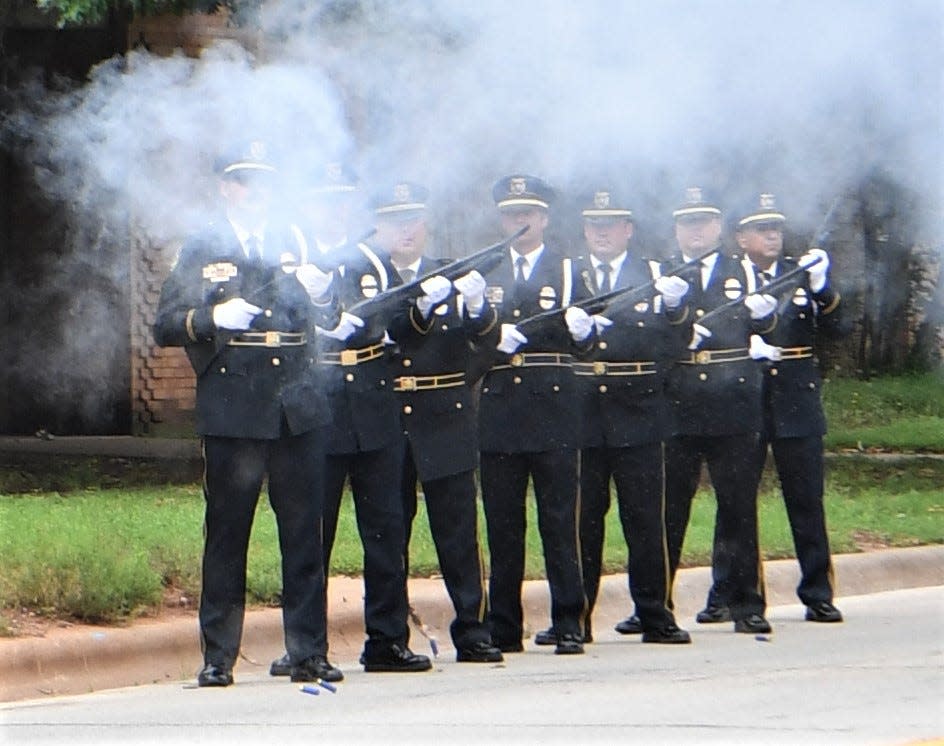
392 299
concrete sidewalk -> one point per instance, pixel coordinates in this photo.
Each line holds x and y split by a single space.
82 659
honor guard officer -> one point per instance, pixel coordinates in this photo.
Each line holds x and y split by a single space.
437 411
530 420
364 444
625 419
715 395
247 324
794 423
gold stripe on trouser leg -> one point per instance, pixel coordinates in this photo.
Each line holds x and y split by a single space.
203 480
483 581
584 620
667 585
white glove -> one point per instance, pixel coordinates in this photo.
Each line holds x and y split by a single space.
235 314
699 335
817 272
436 289
472 288
760 305
579 323
760 350
511 338
672 289
601 323
348 324
314 281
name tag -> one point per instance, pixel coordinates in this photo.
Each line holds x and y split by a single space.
220 271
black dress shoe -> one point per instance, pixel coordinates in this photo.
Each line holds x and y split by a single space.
315 668
629 626
670 634
510 646
281 666
823 611
752 624
395 658
479 652
213 675
546 637
712 614
569 644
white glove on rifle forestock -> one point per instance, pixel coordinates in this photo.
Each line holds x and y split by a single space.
601 323
315 282
236 314
579 323
436 289
672 289
511 339
699 334
760 305
346 327
472 288
817 273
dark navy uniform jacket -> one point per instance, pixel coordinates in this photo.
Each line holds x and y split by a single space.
527 408
716 389
437 407
363 406
245 390
622 387
793 384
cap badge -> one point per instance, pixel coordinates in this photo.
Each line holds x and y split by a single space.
767 202
601 200
693 195
517 185
401 193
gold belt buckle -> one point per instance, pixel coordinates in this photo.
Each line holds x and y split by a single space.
703 357
599 368
517 360
348 357
272 339
408 383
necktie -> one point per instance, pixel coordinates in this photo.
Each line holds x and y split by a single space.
521 263
607 270
705 274
408 275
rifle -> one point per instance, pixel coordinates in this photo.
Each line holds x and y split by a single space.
600 303
775 287
395 298
332 260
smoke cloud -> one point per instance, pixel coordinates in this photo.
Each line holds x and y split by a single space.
797 97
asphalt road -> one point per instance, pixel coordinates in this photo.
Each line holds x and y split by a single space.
875 679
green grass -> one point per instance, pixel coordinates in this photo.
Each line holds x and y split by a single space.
899 414
105 555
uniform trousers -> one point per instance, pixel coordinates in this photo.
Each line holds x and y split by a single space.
637 472
732 466
799 463
453 523
375 482
234 472
504 491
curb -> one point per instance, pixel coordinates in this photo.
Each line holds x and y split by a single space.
84 659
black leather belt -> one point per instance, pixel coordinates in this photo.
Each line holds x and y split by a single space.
425 383
795 353
706 357
611 368
530 359
353 357
268 339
